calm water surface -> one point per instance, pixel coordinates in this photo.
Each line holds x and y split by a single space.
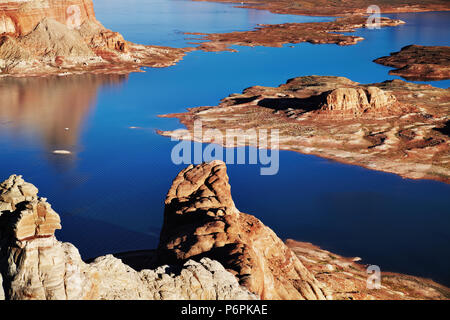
110 192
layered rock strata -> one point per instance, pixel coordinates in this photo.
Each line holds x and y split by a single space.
349 279
339 7
394 126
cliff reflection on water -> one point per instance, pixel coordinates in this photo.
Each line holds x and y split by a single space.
52 110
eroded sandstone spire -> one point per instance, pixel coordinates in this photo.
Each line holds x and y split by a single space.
35 265
201 220
31 216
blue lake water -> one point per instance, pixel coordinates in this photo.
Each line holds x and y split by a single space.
110 192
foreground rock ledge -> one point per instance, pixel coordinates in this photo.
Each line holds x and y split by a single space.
41 37
215 252
393 126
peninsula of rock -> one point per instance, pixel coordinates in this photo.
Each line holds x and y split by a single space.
419 63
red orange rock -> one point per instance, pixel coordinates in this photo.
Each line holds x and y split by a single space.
201 220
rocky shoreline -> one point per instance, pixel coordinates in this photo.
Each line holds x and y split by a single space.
419 63
39 38
208 250
279 34
393 126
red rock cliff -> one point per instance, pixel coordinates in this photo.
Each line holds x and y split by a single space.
19 18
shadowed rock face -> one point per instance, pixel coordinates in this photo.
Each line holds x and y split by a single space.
419 63
35 265
201 220
340 7
40 37
53 109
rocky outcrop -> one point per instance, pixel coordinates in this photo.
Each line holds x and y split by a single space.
347 278
201 220
203 234
41 37
419 63
33 217
35 265
394 126
357 101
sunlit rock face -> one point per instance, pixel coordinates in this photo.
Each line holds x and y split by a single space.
359 100
31 216
21 17
201 220
34 265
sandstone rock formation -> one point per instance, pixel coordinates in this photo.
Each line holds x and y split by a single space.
419 63
277 35
35 265
40 37
394 126
201 220
357 101
340 7
53 108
